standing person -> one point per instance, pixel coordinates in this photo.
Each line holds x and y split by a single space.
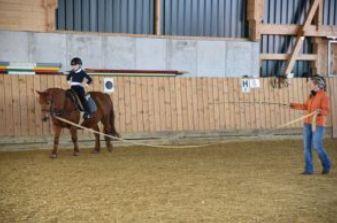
78 78
313 137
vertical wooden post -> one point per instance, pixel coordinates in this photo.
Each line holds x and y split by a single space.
254 17
320 48
157 23
50 7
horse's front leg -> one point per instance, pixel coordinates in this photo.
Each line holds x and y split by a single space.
73 132
57 132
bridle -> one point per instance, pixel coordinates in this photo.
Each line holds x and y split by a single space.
55 111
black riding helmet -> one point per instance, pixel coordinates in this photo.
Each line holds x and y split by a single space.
75 61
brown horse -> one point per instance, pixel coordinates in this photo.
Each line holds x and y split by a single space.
56 102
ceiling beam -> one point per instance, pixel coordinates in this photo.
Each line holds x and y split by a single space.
283 56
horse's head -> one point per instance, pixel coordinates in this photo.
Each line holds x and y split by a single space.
45 100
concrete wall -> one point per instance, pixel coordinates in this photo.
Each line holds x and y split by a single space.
198 57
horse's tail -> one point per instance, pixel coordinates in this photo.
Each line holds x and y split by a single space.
112 120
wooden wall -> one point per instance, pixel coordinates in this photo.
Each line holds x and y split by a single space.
28 15
145 105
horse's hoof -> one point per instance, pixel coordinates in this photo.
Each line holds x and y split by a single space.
109 150
76 153
53 156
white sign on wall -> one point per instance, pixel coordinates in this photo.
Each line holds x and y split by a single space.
109 85
254 83
245 85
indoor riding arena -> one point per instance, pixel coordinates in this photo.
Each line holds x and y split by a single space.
168 111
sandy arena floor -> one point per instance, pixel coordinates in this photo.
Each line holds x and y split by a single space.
233 182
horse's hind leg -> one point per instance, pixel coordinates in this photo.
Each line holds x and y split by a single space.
107 130
57 132
97 142
73 132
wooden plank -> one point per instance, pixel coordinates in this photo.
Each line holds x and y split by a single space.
252 109
232 107
332 89
2 107
301 95
37 107
165 99
36 6
273 110
226 107
291 113
278 107
254 17
179 104
331 92
221 105
296 50
173 104
59 81
63 82
9 122
16 105
263 111
256 124
311 30
268 89
121 105
283 56
291 99
156 104
236 97
320 13
127 100
145 97
30 105
195 104
201 123
114 98
150 89
270 108
50 7
210 103
286 109
23 106
216 103
311 14
206 109
133 106
161 92
241 106
183 96
190 99
248 110
283 109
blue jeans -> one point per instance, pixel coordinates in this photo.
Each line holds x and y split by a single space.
314 140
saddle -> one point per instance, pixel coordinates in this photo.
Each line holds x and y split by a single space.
76 100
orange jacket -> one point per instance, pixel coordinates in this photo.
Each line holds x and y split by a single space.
319 101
